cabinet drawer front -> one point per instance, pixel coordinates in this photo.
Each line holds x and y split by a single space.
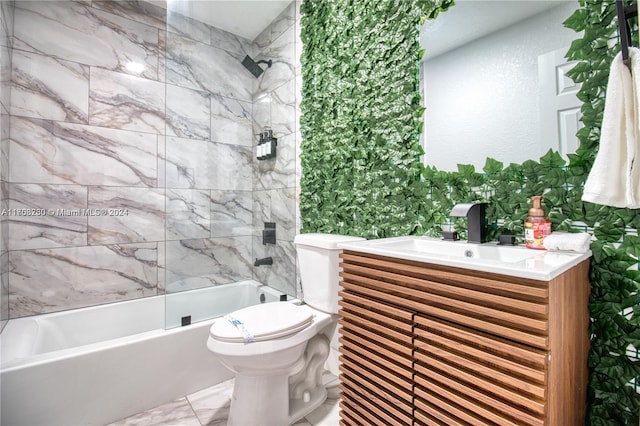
510 287
355 389
519 360
473 377
378 316
375 388
365 414
376 341
376 356
513 310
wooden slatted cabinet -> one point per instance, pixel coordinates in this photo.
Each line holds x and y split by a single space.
431 345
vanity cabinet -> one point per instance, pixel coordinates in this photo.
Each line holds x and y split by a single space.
427 344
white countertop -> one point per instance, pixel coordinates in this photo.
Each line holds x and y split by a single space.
517 261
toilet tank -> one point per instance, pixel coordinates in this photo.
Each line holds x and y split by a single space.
318 262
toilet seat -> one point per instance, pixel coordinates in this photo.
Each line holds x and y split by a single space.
261 322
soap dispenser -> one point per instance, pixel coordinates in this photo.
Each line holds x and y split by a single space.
536 225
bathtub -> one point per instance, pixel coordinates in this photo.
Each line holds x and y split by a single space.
93 366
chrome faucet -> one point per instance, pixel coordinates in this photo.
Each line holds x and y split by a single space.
476 220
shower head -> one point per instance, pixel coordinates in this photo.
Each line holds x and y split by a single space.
253 66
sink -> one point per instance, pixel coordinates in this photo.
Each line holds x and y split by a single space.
489 257
435 247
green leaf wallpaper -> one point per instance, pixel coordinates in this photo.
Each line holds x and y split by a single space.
362 174
361 117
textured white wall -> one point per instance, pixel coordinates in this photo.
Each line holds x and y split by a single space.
482 98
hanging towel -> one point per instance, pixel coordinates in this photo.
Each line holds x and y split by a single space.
614 179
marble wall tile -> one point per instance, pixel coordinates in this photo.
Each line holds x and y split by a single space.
188 113
6 53
283 108
85 35
283 209
184 26
278 172
178 156
63 225
162 264
237 46
161 162
282 53
200 164
6 23
148 13
127 215
50 88
231 213
121 101
50 280
279 206
276 110
5 126
298 175
279 25
162 57
46 152
203 67
261 113
231 121
4 289
188 214
201 263
297 48
282 274
4 218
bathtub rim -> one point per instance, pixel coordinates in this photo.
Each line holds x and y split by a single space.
74 351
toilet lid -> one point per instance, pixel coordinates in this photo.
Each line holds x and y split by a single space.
261 322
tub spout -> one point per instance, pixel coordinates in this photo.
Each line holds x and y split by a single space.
263 261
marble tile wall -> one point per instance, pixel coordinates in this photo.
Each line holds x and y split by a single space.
274 181
131 147
6 40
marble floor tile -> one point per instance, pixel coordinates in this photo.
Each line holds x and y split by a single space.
174 413
328 414
210 407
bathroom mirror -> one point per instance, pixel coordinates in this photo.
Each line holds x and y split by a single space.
494 83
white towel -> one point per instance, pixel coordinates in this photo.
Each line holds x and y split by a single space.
614 179
566 241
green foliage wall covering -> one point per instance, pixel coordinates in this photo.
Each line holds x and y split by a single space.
361 117
360 125
615 302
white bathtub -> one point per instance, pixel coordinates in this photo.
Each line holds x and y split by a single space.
93 366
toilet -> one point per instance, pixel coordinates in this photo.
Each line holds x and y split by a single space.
277 350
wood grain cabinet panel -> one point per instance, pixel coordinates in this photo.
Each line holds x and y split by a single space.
431 345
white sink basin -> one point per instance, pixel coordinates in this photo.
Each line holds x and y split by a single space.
435 247
490 257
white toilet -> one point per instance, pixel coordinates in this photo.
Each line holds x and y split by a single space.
277 350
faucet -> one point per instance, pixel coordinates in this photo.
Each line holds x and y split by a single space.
263 261
476 220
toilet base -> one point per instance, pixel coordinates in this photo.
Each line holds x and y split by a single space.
283 398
